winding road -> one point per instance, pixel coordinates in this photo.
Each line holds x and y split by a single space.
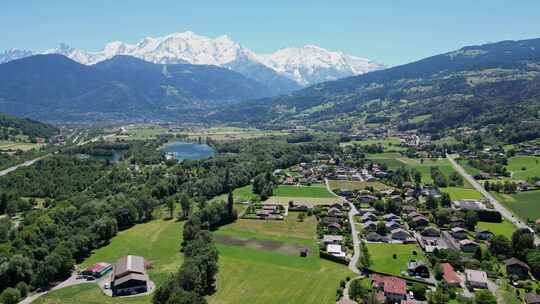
507 214
356 241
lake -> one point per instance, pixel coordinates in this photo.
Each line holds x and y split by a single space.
181 150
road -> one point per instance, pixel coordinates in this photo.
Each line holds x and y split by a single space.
507 214
32 161
356 241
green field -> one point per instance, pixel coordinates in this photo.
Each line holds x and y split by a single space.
382 256
158 241
241 194
525 204
16 145
303 191
248 275
392 143
504 228
143 133
356 185
459 193
531 164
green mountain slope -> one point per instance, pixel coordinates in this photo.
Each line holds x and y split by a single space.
11 126
493 85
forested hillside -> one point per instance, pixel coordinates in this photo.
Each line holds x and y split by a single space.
56 88
11 126
494 86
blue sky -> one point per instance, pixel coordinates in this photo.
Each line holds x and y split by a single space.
392 32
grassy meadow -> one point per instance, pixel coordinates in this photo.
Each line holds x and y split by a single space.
311 195
382 256
505 228
459 193
249 275
356 185
158 241
525 204
524 167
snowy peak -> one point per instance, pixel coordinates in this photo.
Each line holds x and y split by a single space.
291 67
312 64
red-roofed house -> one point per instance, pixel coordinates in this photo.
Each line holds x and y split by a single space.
395 289
449 275
97 270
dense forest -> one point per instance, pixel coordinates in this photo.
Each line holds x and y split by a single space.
70 205
13 126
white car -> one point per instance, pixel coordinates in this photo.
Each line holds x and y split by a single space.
107 286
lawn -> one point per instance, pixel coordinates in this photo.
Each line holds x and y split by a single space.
16 145
356 185
303 191
158 241
248 275
459 193
232 133
241 194
531 164
143 133
392 143
525 204
382 256
504 228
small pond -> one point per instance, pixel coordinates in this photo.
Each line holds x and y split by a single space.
181 150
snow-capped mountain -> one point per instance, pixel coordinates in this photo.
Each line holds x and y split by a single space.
283 71
312 64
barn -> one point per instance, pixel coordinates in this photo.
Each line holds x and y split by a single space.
97 270
129 276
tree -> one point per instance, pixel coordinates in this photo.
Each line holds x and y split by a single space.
185 204
438 272
500 246
445 200
419 291
478 254
357 290
522 241
230 203
471 219
438 296
23 289
533 259
170 205
484 296
10 296
431 202
417 177
181 296
381 228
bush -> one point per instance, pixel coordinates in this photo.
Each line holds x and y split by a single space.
10 296
23 289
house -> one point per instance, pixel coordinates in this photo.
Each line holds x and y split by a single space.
517 268
369 226
363 211
367 199
484 235
334 227
431 231
335 250
459 233
408 209
332 239
468 204
395 289
304 252
334 212
476 278
450 275
129 276
400 234
457 222
368 217
468 245
418 269
375 237
97 270
392 225
327 220
391 217
336 206
419 221
531 298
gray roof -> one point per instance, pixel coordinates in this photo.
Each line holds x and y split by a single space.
328 238
129 277
128 264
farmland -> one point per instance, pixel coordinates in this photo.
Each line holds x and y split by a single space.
249 275
16 145
525 204
311 195
158 241
355 185
504 228
382 256
524 167
459 193
390 144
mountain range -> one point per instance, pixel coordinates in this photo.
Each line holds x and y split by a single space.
494 86
55 88
286 70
